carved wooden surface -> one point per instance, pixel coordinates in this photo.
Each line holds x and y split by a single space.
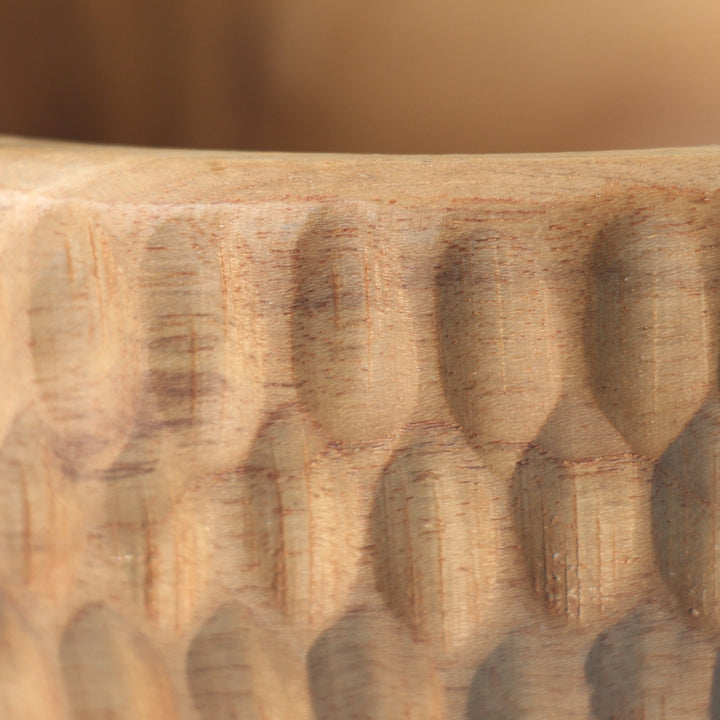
358 437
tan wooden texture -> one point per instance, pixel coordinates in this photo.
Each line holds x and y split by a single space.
321 437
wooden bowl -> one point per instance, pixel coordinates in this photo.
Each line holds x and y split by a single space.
332 436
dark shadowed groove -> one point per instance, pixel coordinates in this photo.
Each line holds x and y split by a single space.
496 325
83 352
298 516
241 666
649 332
366 666
582 512
434 536
203 382
685 509
353 347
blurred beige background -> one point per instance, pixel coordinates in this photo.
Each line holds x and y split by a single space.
364 75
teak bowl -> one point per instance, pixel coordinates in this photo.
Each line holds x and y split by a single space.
334 436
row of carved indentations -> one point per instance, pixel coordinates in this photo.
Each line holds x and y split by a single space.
242 663
433 531
596 349
290 524
172 322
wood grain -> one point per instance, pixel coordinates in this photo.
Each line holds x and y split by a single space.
365 437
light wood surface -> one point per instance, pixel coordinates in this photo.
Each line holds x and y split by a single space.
358 436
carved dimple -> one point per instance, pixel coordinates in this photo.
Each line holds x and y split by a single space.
649 341
353 347
433 537
154 535
301 506
633 671
238 666
582 503
112 671
365 666
497 325
686 515
534 673
82 347
203 356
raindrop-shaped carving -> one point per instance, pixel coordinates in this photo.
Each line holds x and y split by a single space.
686 515
366 666
582 504
649 344
84 356
156 535
40 523
535 673
304 532
497 336
649 665
29 689
202 343
240 667
112 671
434 538
353 349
